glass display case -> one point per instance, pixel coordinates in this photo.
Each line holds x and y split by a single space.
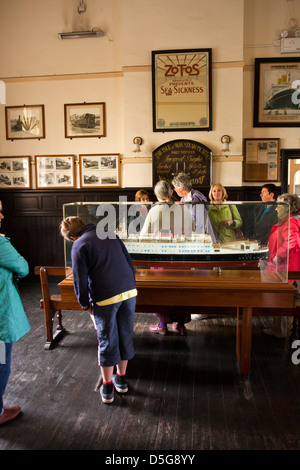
192 235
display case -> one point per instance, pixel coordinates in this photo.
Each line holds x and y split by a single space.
191 235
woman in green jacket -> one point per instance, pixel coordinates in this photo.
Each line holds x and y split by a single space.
13 320
225 218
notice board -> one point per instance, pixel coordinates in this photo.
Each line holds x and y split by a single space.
183 155
261 160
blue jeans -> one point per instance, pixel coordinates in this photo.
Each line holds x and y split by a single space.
5 372
114 326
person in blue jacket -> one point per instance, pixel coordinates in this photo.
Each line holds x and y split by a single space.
13 320
104 284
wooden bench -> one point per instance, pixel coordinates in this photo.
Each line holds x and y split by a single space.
51 303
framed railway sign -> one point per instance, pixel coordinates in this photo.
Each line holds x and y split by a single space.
85 120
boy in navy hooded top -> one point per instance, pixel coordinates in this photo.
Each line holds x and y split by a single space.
104 284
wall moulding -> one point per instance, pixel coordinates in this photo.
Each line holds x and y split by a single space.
81 76
227 158
116 74
125 160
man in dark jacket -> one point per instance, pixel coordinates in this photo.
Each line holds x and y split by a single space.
265 215
104 284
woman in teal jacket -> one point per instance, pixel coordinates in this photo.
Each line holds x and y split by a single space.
13 320
224 218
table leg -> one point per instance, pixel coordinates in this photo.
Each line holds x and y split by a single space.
243 339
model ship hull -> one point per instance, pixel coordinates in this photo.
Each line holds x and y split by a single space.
282 100
194 251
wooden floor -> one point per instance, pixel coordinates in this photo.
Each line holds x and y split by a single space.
185 393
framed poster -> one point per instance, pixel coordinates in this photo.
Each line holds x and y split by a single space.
55 171
14 172
85 120
181 90
100 171
261 160
277 92
25 122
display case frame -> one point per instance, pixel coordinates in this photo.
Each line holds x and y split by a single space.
167 250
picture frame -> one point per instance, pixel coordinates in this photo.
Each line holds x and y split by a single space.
276 97
55 171
15 172
25 122
182 90
100 170
261 162
85 120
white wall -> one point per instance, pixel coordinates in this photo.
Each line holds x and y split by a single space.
116 69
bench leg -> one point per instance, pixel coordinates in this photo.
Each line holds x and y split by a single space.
51 337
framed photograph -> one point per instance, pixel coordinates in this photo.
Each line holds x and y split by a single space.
261 160
181 90
100 171
15 172
276 92
55 171
85 120
25 122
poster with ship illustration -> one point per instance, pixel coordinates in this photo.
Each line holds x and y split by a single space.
277 92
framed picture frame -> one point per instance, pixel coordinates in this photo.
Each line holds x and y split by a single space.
261 162
15 172
182 90
276 93
100 170
55 171
25 122
85 120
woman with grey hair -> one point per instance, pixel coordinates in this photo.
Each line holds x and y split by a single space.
166 215
183 186
284 248
176 219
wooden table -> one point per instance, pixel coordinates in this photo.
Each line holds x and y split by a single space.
182 290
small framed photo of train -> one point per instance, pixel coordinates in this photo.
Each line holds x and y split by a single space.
15 172
100 171
85 120
25 122
55 171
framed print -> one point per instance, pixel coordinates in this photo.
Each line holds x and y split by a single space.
276 92
85 120
55 171
181 90
100 171
25 122
261 160
14 172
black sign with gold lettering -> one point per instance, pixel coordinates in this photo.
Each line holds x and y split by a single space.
187 156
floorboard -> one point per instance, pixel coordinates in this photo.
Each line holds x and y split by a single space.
185 393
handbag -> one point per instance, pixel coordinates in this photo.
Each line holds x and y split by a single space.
238 232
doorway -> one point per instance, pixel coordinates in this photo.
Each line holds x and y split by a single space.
290 171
